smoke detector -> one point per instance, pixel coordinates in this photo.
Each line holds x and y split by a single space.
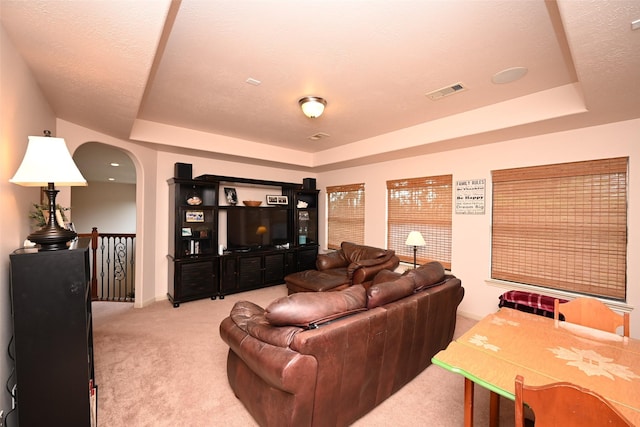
446 91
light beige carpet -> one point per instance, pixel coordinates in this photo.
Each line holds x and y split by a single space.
163 366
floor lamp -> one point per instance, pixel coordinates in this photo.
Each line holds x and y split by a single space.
415 239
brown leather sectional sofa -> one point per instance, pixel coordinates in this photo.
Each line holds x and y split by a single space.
328 358
352 264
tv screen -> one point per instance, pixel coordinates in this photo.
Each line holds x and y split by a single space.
256 228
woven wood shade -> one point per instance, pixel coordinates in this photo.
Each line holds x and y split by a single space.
424 205
345 214
562 226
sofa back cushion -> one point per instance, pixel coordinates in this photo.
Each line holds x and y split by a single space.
386 276
383 293
305 308
354 252
427 275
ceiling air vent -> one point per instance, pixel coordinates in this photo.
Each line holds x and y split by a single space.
317 136
446 91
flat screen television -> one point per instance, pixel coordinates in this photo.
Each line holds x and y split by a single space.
256 228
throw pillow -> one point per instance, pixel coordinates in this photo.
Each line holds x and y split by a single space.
304 308
384 293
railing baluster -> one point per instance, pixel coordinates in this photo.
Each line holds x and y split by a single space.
113 260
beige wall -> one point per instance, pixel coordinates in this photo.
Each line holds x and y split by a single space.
471 243
24 112
107 205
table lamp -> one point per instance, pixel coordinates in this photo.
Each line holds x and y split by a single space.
48 161
415 239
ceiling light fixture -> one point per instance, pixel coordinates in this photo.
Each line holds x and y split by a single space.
312 106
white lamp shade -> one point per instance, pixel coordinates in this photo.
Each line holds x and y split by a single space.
415 239
312 106
48 160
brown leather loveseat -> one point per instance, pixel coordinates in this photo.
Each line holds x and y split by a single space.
328 358
352 264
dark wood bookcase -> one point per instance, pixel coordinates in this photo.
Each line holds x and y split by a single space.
53 336
200 266
193 240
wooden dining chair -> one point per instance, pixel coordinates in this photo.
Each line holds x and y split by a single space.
591 313
566 405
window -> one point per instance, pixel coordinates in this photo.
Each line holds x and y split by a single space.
424 205
562 226
345 214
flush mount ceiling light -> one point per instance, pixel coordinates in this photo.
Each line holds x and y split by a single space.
312 106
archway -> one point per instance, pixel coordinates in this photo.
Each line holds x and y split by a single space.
108 204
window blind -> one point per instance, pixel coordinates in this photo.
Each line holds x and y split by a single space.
562 226
425 205
345 217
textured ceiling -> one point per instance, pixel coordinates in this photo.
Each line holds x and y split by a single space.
174 73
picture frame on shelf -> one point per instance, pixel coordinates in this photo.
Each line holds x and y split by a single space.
186 232
194 216
231 195
277 200
283 200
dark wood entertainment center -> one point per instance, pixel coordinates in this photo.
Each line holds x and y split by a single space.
201 265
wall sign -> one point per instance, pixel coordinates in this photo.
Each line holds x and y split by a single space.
470 196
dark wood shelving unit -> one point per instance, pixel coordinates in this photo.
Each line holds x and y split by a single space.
197 267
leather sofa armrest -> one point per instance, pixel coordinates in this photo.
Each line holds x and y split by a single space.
280 367
331 260
365 271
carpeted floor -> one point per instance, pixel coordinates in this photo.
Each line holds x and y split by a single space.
163 366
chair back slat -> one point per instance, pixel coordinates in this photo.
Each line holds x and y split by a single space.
592 313
565 404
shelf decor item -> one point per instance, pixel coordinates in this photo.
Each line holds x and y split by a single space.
47 161
193 198
194 216
252 203
231 196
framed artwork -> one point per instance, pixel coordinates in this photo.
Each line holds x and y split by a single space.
186 231
194 216
277 200
231 195
283 200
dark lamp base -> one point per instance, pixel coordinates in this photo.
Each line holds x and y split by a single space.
52 239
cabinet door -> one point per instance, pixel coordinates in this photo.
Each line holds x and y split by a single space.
306 217
291 265
274 268
197 279
228 274
307 258
250 272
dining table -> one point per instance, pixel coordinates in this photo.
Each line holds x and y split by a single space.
510 342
